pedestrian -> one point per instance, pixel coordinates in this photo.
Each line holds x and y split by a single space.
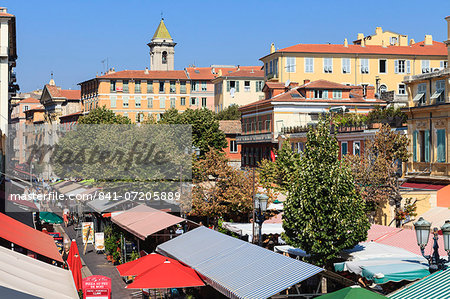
66 219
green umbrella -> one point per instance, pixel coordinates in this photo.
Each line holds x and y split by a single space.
50 217
353 292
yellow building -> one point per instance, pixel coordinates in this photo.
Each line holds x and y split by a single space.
380 60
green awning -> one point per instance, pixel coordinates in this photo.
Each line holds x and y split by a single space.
436 286
353 292
395 272
50 217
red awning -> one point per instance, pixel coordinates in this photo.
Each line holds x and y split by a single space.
29 238
141 265
423 186
143 221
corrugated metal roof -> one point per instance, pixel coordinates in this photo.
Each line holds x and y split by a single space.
236 268
435 286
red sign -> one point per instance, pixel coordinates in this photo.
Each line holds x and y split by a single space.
97 287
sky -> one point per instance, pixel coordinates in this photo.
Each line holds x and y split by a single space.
72 38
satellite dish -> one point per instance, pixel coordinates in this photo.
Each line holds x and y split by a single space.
287 83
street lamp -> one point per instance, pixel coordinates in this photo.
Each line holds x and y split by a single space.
422 228
260 211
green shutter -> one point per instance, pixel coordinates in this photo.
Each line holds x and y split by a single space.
237 86
427 145
415 146
441 146
228 85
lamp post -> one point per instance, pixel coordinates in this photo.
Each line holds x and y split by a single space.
422 228
260 212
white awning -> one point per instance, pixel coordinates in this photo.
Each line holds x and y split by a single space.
28 275
418 97
437 94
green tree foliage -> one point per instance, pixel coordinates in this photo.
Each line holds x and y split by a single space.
324 213
230 113
102 115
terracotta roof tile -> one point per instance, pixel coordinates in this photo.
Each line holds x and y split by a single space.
200 73
324 84
230 126
138 74
275 85
437 48
29 100
57 92
252 73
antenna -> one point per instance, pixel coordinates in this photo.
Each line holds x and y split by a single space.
162 18
51 75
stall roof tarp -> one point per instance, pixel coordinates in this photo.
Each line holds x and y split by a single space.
105 205
435 286
236 268
244 229
143 221
28 275
69 187
29 238
10 293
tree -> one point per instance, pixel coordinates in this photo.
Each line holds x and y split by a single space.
324 213
102 115
230 113
375 172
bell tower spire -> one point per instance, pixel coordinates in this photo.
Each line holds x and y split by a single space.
162 49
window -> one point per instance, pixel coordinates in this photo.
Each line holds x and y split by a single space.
194 86
139 117
401 88
137 86
193 101
125 102
393 41
309 65
346 67
172 102
113 85
149 102
383 88
440 146
402 66
425 146
125 114
172 87
271 67
364 86
328 65
344 147
425 66
246 85
290 64
356 148
233 146
125 85
337 94
183 87
203 85
415 146
25 108
259 86
149 86
233 85
161 86
266 69
443 64
183 101
275 66
137 102
267 125
382 66
203 102
164 57
162 102
439 94
364 65
113 101
320 94
421 96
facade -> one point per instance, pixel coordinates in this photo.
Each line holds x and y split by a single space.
162 49
240 87
58 102
8 55
370 61
232 129
18 113
202 88
288 112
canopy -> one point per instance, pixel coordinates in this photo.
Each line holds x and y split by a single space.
10 293
50 217
73 250
29 238
435 286
142 264
353 292
143 221
291 250
381 263
28 275
236 268
75 268
169 274
245 229
104 205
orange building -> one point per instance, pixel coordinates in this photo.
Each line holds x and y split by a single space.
232 129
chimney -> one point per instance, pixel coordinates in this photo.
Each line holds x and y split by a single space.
378 31
411 42
146 71
363 43
306 81
428 40
346 43
113 70
360 36
238 67
383 44
219 73
272 48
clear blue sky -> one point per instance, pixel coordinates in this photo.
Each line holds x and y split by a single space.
71 38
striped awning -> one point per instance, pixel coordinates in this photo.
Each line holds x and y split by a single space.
236 268
434 286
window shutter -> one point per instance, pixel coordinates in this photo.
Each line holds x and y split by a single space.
396 66
441 146
237 86
415 146
427 145
408 66
228 85
325 94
